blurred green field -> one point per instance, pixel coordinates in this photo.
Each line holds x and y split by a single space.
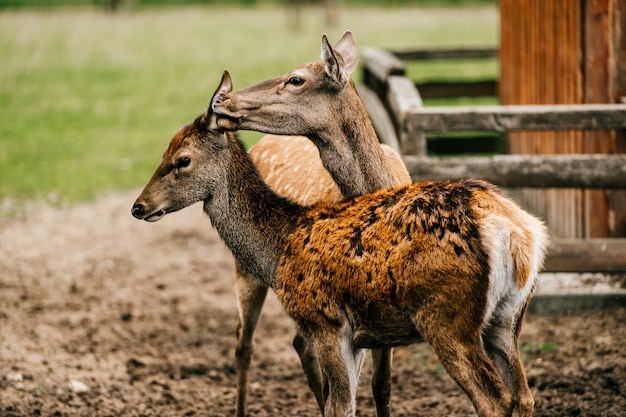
89 100
141 3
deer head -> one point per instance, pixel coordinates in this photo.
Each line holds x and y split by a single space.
189 165
297 100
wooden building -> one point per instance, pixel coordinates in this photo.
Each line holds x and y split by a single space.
567 52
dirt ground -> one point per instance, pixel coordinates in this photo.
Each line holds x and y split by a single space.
104 315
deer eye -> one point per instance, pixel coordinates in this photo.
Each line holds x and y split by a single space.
295 81
183 162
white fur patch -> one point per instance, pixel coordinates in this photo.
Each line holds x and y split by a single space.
504 298
353 360
502 278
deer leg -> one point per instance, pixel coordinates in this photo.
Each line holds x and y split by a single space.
501 343
340 364
473 371
308 357
463 356
250 298
381 380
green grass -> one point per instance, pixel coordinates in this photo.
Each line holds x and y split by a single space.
89 100
536 349
453 69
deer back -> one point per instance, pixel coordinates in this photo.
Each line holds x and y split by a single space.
291 166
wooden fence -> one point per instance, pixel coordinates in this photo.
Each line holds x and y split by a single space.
401 121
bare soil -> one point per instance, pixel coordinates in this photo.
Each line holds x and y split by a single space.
103 315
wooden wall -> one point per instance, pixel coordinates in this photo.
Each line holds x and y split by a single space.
567 52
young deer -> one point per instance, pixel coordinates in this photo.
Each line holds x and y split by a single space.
318 100
450 263
291 166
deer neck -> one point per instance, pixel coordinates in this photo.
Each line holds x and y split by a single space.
252 220
351 152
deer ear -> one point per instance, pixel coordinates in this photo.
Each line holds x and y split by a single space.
334 64
226 86
346 47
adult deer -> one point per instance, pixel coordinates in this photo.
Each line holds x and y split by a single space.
444 262
291 166
318 100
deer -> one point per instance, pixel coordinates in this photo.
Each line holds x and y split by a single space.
319 101
453 264
291 166
329 8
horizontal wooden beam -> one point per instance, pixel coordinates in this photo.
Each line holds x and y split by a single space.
522 117
571 171
568 303
586 255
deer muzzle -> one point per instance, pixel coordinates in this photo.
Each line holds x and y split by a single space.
141 211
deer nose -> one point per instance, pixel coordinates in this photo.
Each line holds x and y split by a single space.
138 210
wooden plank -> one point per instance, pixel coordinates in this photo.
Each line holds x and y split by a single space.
457 53
619 52
619 84
562 80
558 171
586 255
565 292
381 63
583 283
380 117
597 49
597 68
568 303
404 100
522 117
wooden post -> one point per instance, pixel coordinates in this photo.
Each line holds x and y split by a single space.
618 203
384 73
404 99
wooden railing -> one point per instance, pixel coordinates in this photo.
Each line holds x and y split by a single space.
401 121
